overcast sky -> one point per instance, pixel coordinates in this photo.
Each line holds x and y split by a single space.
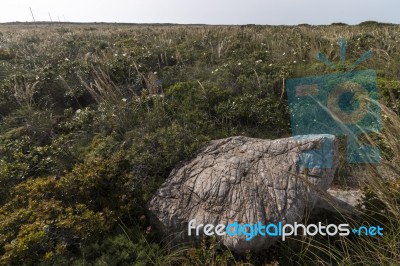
272 12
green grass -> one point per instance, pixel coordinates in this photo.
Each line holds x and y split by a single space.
94 117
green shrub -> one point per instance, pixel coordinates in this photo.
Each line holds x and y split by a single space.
47 217
93 119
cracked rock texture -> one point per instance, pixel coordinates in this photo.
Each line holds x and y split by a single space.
245 180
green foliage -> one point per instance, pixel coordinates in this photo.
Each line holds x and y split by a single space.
6 54
390 93
210 252
93 119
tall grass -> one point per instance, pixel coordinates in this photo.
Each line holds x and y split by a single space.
379 205
134 58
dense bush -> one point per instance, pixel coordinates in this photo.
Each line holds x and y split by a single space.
93 119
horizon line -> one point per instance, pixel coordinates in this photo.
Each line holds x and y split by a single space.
367 22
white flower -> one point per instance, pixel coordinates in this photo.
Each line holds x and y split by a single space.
294 62
115 54
284 53
66 59
239 64
78 111
123 54
155 73
258 61
124 99
270 65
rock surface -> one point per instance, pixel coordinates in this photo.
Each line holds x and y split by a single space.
245 180
338 201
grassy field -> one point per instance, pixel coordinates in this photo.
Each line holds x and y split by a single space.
93 117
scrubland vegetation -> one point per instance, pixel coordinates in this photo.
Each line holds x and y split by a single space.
94 117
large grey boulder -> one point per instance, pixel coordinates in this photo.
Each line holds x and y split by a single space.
245 180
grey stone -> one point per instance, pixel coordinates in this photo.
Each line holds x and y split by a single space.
245 180
338 202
